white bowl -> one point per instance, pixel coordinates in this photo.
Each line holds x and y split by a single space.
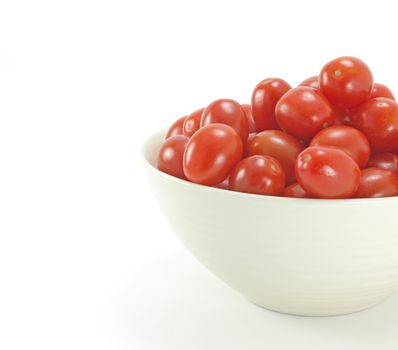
297 256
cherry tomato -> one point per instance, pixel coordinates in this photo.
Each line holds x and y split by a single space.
264 99
386 161
305 143
176 128
378 120
377 183
283 147
211 154
171 154
259 175
192 123
341 116
327 173
311 82
380 90
227 112
303 111
295 191
346 138
223 185
249 116
346 82
248 143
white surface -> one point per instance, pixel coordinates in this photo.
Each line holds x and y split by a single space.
86 260
300 265
190 309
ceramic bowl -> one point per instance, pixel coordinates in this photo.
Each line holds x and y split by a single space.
298 256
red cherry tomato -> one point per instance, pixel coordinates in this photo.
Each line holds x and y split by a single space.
264 99
227 112
346 82
380 90
303 111
211 154
311 82
170 155
342 117
327 173
378 120
386 161
295 191
259 175
223 185
176 128
377 183
192 123
279 145
305 143
248 143
249 116
348 139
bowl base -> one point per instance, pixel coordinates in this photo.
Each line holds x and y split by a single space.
320 313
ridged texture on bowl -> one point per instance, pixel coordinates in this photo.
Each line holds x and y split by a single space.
298 256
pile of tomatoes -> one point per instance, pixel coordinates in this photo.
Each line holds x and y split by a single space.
335 135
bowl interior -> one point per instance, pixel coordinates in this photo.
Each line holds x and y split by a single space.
151 146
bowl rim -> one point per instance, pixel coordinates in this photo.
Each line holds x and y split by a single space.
146 164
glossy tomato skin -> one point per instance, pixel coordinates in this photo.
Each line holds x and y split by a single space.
303 111
176 128
327 173
249 116
386 161
380 90
259 175
171 154
283 147
295 191
264 99
211 153
223 185
192 122
377 183
342 117
229 112
311 82
378 120
346 82
347 139
246 151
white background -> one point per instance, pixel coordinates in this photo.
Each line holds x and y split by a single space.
87 261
